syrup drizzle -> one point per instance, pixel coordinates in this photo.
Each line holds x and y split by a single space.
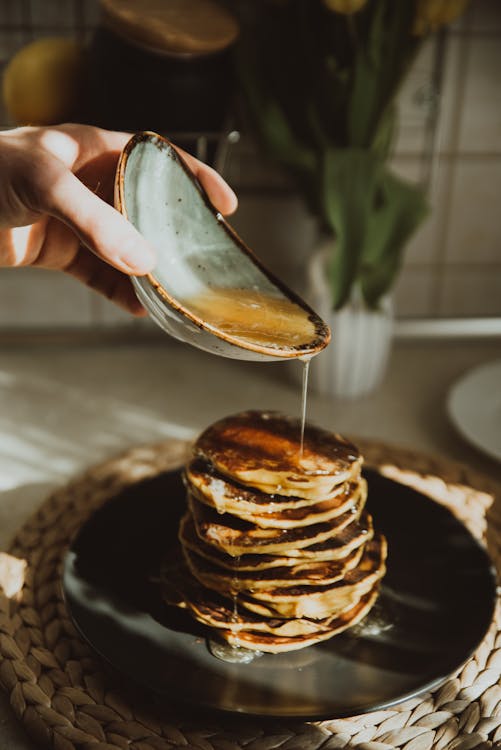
255 317
233 653
304 394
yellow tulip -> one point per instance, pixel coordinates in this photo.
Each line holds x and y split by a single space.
431 14
346 7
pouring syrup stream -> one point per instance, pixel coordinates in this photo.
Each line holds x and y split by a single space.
304 394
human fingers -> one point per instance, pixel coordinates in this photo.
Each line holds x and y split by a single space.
220 193
99 227
58 248
75 144
91 142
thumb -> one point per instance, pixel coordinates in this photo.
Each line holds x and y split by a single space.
99 226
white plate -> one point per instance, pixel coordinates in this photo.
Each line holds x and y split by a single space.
474 406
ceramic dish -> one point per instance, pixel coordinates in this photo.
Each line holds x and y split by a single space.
435 606
203 267
474 407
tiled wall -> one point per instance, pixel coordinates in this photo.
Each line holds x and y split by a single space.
452 265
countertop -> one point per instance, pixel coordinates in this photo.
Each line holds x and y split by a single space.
64 408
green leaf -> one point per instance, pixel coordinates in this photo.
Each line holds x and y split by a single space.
385 133
372 214
397 211
349 180
382 62
281 142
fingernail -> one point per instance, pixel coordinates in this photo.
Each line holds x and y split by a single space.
139 259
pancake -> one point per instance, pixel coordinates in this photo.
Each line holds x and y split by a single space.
294 517
317 602
336 547
226 581
274 515
216 611
223 614
228 496
339 547
271 643
238 537
262 450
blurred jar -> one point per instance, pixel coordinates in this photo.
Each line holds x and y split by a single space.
162 65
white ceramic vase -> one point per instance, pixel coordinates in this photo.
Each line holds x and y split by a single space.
355 361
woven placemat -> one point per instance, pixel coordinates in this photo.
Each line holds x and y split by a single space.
67 698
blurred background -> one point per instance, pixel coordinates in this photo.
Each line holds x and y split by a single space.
448 144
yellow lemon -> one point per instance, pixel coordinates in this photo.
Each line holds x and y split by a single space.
42 82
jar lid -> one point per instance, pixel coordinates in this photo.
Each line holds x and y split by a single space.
172 27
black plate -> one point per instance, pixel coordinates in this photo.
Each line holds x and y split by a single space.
435 606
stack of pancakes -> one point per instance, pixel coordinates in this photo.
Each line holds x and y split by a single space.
279 551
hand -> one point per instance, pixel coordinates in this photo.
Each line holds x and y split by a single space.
56 185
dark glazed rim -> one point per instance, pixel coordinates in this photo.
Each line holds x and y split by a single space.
322 331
